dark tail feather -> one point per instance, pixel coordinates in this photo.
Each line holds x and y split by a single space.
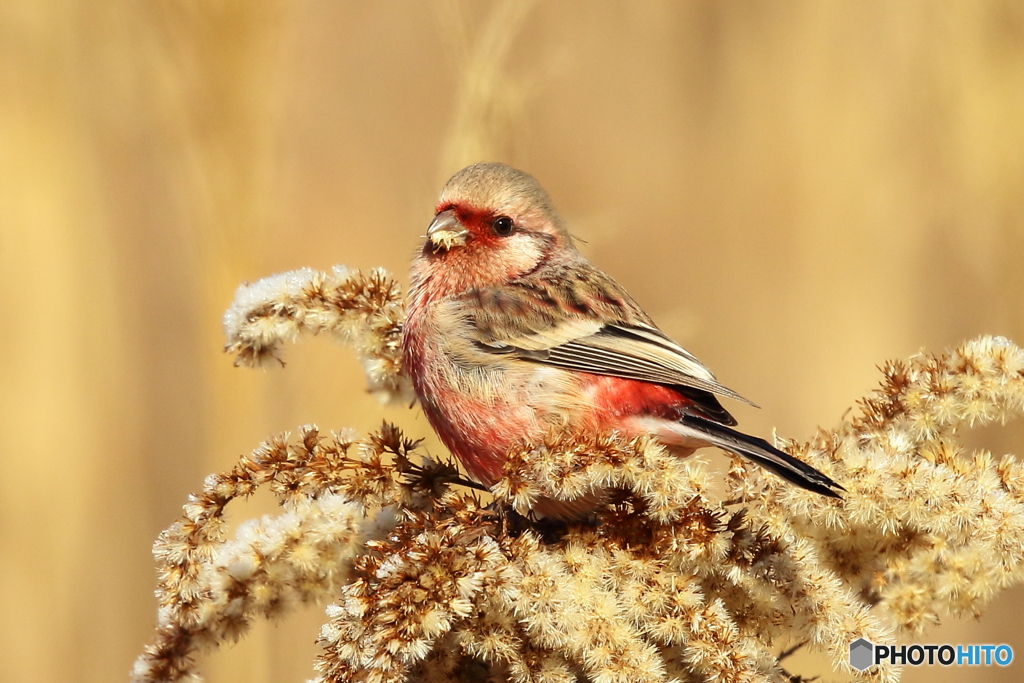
765 455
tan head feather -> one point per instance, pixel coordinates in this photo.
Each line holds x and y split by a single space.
502 189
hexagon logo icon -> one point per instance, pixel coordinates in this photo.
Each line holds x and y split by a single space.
862 654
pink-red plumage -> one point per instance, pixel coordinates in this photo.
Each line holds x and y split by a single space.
512 333
615 398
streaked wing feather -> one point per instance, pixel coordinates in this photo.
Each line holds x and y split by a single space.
607 353
609 335
554 336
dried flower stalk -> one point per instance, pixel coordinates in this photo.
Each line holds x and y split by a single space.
667 582
364 310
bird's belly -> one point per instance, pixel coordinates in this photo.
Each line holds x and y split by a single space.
482 414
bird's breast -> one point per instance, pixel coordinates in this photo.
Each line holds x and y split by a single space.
483 404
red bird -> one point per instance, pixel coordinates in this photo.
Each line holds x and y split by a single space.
511 332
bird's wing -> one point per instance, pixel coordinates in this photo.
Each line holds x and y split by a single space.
588 323
640 353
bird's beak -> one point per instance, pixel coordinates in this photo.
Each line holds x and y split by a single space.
446 231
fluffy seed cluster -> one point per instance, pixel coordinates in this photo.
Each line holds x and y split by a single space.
670 580
365 311
928 528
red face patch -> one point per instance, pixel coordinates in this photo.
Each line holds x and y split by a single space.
479 222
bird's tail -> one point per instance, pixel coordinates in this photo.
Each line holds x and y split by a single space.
765 455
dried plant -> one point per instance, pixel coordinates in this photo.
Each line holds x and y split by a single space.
365 311
489 100
668 580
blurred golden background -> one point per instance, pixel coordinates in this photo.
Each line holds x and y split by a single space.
796 191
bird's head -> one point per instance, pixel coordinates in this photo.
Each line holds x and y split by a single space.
492 224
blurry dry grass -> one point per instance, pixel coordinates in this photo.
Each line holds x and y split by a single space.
795 190
489 101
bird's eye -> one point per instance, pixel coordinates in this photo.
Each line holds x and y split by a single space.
503 226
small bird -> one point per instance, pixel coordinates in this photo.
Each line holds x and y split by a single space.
512 333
